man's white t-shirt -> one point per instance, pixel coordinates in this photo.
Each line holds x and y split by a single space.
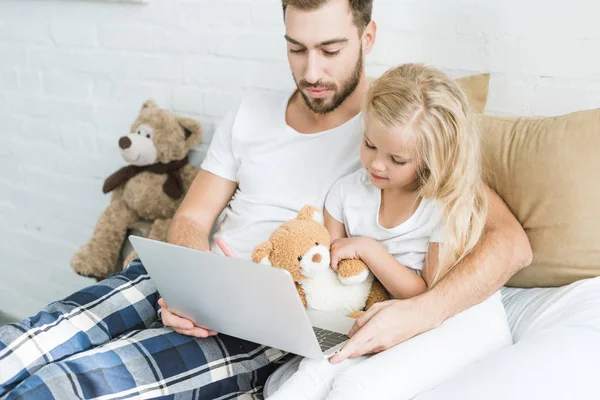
278 170
355 202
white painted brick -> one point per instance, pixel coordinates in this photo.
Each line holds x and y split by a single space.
483 18
267 13
178 40
132 96
38 129
219 103
67 86
67 34
34 275
510 93
69 210
9 79
12 128
44 154
430 17
208 130
272 75
80 165
268 45
556 96
57 110
13 55
225 74
54 280
80 138
188 99
31 33
14 302
11 174
89 61
554 19
198 155
51 251
130 36
160 68
40 225
448 51
3 29
143 37
211 13
104 89
555 58
117 118
30 82
71 137
3 103
154 12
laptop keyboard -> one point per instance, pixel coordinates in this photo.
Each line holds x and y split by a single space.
328 339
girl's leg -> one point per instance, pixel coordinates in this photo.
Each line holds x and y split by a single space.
312 381
424 361
88 318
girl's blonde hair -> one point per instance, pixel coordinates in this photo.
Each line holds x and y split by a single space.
447 146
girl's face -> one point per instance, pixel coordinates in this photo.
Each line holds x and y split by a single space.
388 156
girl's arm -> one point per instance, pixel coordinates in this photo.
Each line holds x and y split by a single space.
400 281
336 229
431 262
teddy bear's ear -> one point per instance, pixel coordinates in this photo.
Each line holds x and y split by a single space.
310 212
261 253
149 104
191 128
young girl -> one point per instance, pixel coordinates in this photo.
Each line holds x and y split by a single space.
414 211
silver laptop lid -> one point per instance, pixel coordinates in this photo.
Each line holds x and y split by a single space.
255 302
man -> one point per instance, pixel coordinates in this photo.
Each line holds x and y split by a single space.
270 156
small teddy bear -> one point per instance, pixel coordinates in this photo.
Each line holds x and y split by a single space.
301 246
150 188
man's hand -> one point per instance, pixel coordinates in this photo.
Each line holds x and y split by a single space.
348 249
182 325
385 325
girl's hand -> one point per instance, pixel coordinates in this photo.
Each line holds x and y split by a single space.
348 249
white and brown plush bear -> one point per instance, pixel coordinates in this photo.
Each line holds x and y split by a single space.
301 246
150 188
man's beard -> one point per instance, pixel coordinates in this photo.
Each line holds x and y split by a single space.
320 106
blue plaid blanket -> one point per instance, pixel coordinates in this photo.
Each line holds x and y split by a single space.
106 342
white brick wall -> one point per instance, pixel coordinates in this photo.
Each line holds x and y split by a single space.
73 75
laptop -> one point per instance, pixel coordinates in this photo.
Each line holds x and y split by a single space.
239 298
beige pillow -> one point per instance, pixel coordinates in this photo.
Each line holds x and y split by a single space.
475 87
548 172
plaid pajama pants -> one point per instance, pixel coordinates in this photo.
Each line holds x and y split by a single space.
106 342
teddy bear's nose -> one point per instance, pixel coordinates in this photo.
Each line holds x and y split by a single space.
317 258
124 142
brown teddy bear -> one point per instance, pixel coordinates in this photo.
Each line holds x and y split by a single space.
149 188
301 246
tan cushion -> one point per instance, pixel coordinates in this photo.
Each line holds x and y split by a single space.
548 172
475 87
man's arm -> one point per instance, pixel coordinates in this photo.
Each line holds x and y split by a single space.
202 205
191 226
503 250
